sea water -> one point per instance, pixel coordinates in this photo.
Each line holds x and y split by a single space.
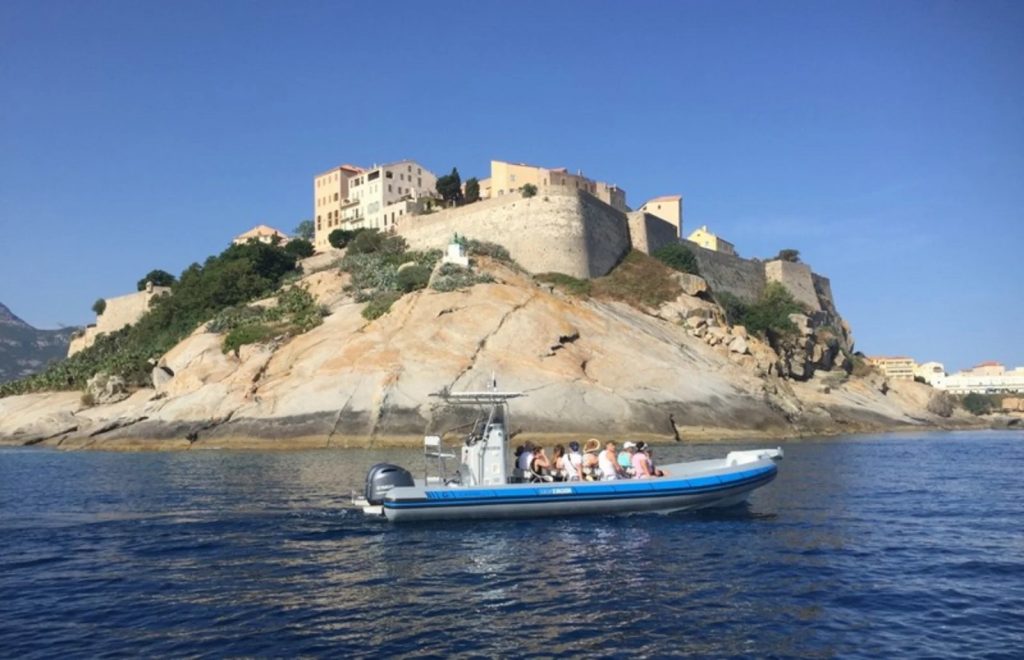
884 546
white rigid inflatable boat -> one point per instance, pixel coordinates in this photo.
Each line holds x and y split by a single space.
483 487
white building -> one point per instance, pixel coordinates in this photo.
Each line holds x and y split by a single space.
933 373
986 378
350 197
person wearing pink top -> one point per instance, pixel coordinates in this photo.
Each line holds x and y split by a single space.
641 465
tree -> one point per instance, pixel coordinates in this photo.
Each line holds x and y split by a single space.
340 238
528 190
300 248
977 404
158 278
99 306
449 187
790 255
305 230
472 190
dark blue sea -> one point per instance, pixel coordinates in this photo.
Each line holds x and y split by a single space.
885 547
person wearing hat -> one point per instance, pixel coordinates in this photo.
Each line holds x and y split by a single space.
626 458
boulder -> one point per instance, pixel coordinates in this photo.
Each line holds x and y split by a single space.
160 376
104 388
692 285
739 345
802 323
695 322
739 331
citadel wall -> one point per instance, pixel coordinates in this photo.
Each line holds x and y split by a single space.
119 312
572 233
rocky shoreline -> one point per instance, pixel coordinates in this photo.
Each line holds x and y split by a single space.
589 367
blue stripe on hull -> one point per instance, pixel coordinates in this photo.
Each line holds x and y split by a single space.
567 492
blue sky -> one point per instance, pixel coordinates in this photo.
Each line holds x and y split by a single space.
885 141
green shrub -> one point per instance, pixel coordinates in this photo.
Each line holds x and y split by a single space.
380 304
340 238
99 306
770 314
451 277
299 247
678 257
497 252
372 241
734 308
232 317
247 334
413 278
567 283
528 190
789 254
977 404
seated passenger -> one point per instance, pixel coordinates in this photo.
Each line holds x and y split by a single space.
560 464
641 464
626 458
540 466
644 450
574 460
525 457
591 467
609 464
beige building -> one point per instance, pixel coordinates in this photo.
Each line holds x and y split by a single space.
704 238
895 368
263 234
350 197
507 178
669 208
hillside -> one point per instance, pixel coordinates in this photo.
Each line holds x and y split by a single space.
25 350
590 362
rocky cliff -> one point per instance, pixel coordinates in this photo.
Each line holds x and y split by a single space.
590 366
25 350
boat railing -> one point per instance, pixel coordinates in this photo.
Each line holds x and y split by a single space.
432 449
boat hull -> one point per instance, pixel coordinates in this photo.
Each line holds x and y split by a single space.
708 488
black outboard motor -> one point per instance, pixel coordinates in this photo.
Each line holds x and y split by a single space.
381 478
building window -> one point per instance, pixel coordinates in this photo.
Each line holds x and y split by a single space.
335 196
419 182
419 171
389 187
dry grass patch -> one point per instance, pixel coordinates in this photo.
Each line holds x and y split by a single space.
640 280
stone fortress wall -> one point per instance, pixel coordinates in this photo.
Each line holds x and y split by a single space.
569 232
577 234
120 311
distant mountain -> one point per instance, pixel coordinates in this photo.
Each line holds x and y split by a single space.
25 350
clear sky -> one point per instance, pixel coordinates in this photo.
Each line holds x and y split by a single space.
885 141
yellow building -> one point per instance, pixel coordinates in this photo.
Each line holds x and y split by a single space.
330 194
507 178
704 238
895 367
669 208
263 234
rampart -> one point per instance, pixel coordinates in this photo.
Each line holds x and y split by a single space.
572 233
649 233
577 234
743 278
119 312
797 278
